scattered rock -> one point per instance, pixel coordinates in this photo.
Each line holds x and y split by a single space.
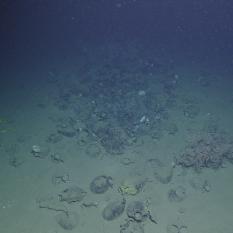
101 184
131 227
39 152
171 128
139 212
141 93
114 209
60 178
54 138
164 174
16 161
66 130
171 228
191 110
200 184
93 150
72 194
206 187
67 221
56 158
90 204
127 161
112 139
84 137
229 155
177 194
136 211
175 228
51 203
36 150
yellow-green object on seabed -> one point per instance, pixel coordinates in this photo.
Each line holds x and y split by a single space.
128 189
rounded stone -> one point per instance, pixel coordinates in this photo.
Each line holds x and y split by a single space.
101 184
67 221
113 210
72 194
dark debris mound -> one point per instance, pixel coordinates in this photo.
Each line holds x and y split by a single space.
209 151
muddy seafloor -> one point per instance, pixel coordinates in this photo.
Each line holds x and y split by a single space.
155 131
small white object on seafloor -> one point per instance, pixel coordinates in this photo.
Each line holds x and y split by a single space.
36 149
141 93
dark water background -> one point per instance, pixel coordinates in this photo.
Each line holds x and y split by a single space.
37 34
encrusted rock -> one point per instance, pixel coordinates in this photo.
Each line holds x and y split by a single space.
209 151
132 227
136 211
